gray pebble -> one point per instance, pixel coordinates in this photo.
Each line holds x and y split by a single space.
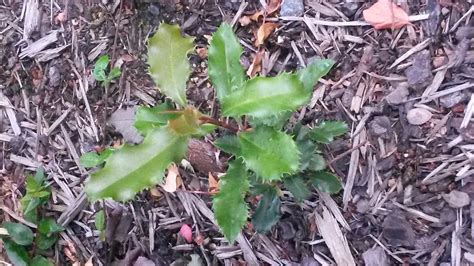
292 8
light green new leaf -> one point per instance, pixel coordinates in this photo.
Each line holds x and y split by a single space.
19 233
267 213
100 67
92 159
310 75
132 168
266 96
168 60
114 73
100 220
327 130
297 186
269 153
225 70
149 118
276 121
325 182
229 204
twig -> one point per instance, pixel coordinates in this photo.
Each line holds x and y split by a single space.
219 123
340 156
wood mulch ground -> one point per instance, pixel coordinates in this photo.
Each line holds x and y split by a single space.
407 163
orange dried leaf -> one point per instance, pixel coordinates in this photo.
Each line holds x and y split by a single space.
172 180
213 184
256 65
245 20
385 15
264 31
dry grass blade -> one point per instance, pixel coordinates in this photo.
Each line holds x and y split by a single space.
333 237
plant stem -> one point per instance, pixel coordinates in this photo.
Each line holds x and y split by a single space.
219 123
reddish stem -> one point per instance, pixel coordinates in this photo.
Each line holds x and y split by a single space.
219 123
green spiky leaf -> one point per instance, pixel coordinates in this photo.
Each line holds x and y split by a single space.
132 168
266 96
169 66
326 131
310 159
225 70
312 73
269 153
229 204
16 253
297 186
325 182
276 121
267 213
19 233
229 144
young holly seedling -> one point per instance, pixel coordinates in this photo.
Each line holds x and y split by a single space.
266 155
101 72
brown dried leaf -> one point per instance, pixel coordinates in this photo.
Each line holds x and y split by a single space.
385 15
272 6
256 65
213 184
172 180
264 31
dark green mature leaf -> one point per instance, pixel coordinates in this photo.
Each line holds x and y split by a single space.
48 226
229 144
225 70
269 153
168 60
310 159
266 96
149 118
133 168
267 213
229 204
44 242
19 233
325 182
40 261
99 68
297 186
327 130
16 253
310 75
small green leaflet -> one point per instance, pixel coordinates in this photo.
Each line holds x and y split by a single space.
99 68
297 186
19 233
225 70
325 182
267 213
266 96
133 168
16 253
168 60
228 144
229 204
269 153
100 220
92 159
310 75
49 226
40 261
310 160
149 118
327 130
44 242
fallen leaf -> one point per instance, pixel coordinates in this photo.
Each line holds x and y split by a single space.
202 52
155 193
89 262
256 65
172 180
186 232
385 15
245 20
213 184
122 120
264 31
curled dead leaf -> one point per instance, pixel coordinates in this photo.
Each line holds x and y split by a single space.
264 31
172 180
256 66
213 184
385 15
